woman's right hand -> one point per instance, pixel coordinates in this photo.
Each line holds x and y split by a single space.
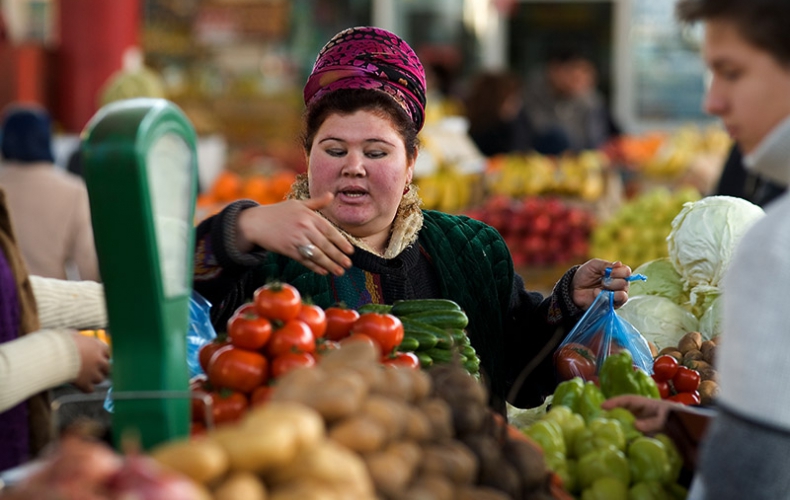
94 361
286 226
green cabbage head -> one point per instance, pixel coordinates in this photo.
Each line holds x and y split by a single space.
662 280
658 319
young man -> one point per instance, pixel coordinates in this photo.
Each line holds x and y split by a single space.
746 451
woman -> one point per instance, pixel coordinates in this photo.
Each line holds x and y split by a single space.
352 229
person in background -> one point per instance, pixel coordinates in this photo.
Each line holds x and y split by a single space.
746 450
352 229
34 360
498 123
566 110
49 207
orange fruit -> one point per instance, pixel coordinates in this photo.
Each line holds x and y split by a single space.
227 186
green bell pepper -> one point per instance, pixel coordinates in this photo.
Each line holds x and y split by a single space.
606 488
548 434
589 404
647 386
604 462
617 375
607 432
648 490
570 423
674 456
568 393
649 460
627 421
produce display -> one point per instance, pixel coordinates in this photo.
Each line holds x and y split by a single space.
599 454
692 353
229 186
448 189
538 230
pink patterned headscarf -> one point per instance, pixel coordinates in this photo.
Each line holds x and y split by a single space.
370 58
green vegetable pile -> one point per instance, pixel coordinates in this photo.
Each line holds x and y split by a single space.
599 454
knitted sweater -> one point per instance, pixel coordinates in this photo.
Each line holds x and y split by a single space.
453 257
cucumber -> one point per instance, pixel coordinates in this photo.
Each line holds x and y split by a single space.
468 351
425 360
440 355
406 307
375 308
442 319
426 335
459 337
409 344
472 365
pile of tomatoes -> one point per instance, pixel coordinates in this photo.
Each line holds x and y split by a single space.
275 333
676 382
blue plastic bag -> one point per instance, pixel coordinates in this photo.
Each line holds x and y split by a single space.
199 333
601 332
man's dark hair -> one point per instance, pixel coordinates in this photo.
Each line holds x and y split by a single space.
764 23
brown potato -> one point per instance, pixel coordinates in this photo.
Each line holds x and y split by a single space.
359 433
203 460
430 487
388 412
241 485
440 417
708 391
708 351
452 459
692 355
397 383
689 341
418 426
338 396
672 351
390 474
480 493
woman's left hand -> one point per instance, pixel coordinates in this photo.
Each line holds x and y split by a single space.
588 282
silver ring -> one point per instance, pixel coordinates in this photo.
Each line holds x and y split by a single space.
306 251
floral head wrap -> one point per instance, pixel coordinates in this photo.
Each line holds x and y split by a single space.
370 58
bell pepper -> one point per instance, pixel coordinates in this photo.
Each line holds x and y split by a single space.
582 443
548 434
648 490
604 462
649 460
674 456
564 468
589 404
647 386
568 393
617 375
570 423
627 420
606 488
607 432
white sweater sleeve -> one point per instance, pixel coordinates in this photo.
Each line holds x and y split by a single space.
36 362
69 304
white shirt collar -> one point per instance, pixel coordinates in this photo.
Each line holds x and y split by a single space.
771 158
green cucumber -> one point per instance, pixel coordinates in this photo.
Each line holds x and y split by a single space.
375 308
440 355
459 337
472 365
428 336
409 344
468 351
425 360
442 319
406 307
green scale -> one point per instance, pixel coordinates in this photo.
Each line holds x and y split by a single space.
141 171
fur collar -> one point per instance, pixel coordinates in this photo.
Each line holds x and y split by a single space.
405 227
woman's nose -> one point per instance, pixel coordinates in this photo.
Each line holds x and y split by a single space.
354 165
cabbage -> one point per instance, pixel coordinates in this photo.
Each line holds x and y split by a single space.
703 239
711 321
658 319
662 280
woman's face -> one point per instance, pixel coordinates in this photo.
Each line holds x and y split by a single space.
361 159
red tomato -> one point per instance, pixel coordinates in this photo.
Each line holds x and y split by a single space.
247 308
261 394
315 317
207 351
293 336
339 321
686 379
664 368
279 301
385 329
408 359
687 398
249 331
228 406
663 388
574 360
237 369
288 361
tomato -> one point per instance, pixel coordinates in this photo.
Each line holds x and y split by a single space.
249 331
663 388
407 359
324 346
247 308
228 406
686 380
339 321
208 350
279 301
664 368
288 361
574 360
315 317
293 336
385 329
261 394
687 398
237 369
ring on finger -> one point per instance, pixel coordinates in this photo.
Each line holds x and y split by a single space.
306 251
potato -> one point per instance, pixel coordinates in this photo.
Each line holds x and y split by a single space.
672 351
417 425
305 490
272 445
503 476
708 351
202 460
338 396
708 391
388 412
653 348
241 485
408 451
307 421
689 341
421 385
452 459
692 355
528 461
330 464
297 385
351 355
480 493
430 487
397 383
698 365
359 433
389 472
440 417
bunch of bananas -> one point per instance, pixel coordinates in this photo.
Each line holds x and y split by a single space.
447 189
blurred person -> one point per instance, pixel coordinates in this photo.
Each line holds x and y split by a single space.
746 450
736 180
33 360
49 207
566 110
498 123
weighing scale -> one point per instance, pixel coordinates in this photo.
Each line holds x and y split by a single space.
141 171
